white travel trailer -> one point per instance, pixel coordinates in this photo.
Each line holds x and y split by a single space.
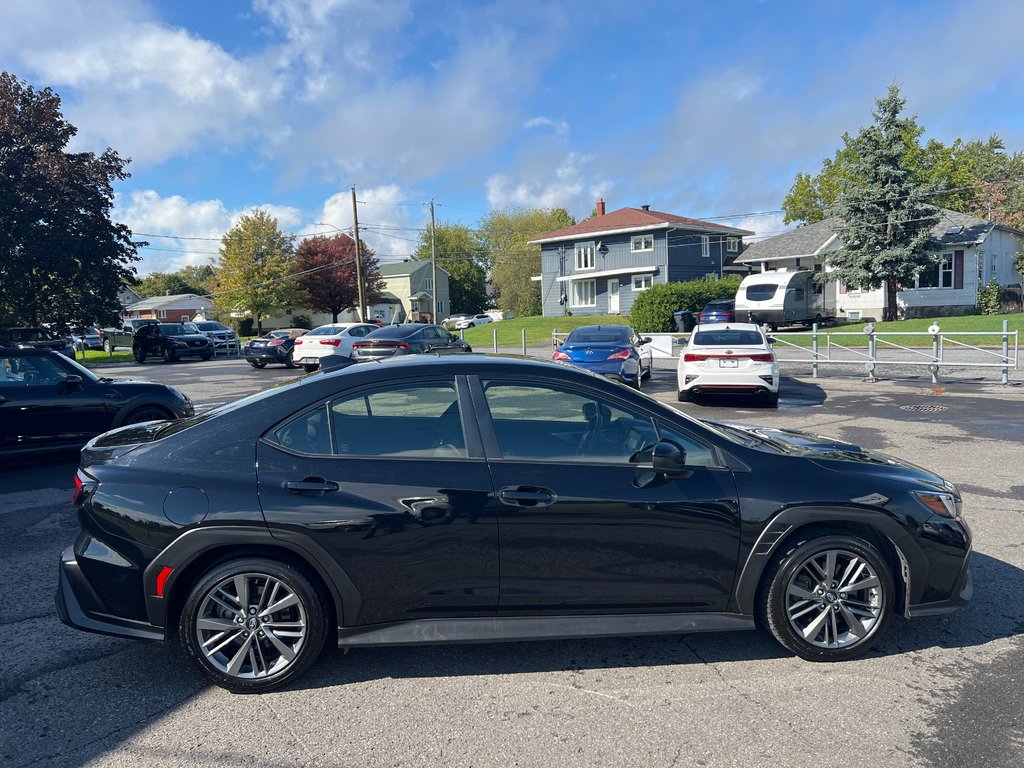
784 297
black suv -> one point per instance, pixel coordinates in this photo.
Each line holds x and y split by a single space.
170 341
36 338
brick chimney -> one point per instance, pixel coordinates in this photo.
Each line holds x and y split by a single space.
600 206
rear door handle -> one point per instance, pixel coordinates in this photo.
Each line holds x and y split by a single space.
311 486
527 496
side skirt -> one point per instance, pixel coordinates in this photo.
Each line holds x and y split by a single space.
511 629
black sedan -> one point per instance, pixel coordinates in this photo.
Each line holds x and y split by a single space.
615 351
469 498
48 402
273 347
407 339
170 341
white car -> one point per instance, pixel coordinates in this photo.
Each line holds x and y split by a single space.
333 339
473 320
728 358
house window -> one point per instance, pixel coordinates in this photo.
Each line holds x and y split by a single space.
584 293
705 246
585 256
428 284
642 282
162 314
937 275
641 243
732 244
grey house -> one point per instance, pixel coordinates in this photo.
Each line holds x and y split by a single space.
601 265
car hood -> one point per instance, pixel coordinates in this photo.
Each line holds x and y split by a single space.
830 453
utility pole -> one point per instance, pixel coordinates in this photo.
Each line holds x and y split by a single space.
359 259
433 266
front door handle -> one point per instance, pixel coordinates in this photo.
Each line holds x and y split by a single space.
311 486
527 496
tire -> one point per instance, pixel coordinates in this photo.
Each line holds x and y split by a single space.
684 396
108 346
800 570
772 400
147 413
288 363
637 385
168 355
139 355
208 357
258 364
650 370
310 368
244 659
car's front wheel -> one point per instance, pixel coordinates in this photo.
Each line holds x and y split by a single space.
139 355
828 598
253 624
168 355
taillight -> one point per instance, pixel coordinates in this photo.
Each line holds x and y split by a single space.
276 343
84 485
768 358
331 342
622 354
690 357
298 342
560 355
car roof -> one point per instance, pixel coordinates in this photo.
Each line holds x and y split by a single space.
27 351
464 363
727 327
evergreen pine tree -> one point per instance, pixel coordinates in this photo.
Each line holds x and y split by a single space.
884 222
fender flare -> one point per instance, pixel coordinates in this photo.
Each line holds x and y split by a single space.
913 561
137 402
192 544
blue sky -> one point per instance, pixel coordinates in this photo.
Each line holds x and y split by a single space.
696 108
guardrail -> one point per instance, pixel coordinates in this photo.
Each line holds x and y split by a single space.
836 348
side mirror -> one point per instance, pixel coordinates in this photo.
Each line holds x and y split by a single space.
646 339
668 458
71 382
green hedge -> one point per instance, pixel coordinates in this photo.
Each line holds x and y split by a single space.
652 311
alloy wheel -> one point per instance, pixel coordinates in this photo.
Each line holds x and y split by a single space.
251 626
834 599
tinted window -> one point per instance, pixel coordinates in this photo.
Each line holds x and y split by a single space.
600 335
210 326
395 331
728 338
361 330
411 420
327 330
174 329
538 422
26 371
760 292
30 334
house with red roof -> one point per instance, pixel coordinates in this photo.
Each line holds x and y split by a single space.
601 265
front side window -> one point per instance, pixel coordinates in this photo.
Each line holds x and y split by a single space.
641 243
420 420
585 256
541 422
584 293
642 282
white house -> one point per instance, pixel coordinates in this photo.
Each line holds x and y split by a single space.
971 253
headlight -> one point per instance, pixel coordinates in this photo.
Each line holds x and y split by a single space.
944 504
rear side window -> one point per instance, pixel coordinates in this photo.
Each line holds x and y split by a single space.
760 292
419 420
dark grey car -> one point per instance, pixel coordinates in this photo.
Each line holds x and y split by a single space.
407 339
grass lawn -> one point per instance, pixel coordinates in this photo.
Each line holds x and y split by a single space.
538 330
98 356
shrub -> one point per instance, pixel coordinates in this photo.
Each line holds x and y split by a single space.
989 298
302 321
652 311
246 327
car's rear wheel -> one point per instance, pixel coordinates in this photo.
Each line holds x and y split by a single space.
288 362
828 598
310 368
168 355
684 396
147 413
257 364
253 624
772 400
139 355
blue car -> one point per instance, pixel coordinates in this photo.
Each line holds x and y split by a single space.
615 351
718 311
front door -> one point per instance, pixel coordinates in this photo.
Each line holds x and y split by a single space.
580 532
393 483
613 296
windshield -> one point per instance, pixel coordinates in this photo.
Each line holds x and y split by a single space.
728 338
396 331
176 329
210 326
326 330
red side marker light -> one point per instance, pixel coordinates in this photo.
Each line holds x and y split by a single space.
161 580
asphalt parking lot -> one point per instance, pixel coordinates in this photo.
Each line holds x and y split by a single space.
945 691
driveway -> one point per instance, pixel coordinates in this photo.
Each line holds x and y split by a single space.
945 691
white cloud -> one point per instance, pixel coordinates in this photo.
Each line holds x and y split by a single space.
560 127
551 182
387 223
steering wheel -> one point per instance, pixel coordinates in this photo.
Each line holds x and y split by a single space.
595 414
